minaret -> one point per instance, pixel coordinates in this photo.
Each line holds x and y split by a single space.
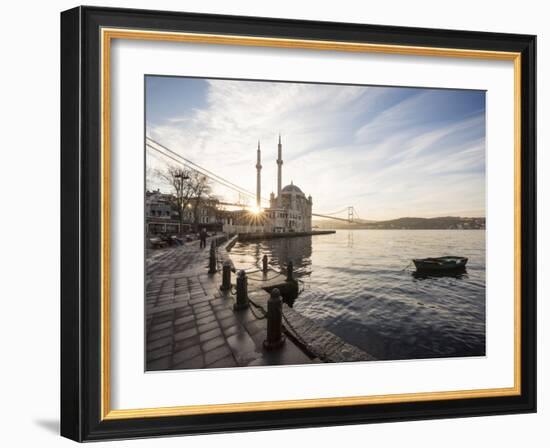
279 173
259 177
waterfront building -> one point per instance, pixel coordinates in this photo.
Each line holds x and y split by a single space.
162 217
289 210
158 205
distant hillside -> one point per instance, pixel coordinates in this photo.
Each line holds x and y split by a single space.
444 222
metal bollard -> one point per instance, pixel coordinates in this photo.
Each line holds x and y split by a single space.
264 264
290 272
275 337
226 276
212 265
242 292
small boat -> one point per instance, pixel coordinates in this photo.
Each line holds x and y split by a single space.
440 264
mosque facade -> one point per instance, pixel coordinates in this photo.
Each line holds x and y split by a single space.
289 210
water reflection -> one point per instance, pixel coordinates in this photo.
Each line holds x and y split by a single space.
350 240
279 252
461 273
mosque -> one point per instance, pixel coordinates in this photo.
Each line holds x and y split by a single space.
290 210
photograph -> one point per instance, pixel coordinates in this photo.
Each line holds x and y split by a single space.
294 223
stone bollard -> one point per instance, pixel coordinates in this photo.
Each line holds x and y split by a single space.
226 276
242 292
264 264
275 337
212 265
290 272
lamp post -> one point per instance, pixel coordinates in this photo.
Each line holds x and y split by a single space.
183 177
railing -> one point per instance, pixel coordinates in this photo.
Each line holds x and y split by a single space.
274 314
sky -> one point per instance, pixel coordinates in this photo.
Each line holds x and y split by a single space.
388 151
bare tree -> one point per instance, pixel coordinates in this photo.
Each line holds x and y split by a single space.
201 195
189 189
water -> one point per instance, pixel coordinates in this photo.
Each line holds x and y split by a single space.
357 285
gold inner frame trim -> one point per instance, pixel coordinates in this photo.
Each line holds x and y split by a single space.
107 35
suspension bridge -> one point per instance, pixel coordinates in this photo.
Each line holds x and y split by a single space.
347 214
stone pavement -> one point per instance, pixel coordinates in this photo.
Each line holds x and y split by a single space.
190 323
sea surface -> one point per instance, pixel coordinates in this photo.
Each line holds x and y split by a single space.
362 286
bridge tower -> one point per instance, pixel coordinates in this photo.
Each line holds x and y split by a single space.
350 214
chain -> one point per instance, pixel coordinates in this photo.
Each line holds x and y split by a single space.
259 308
293 330
266 278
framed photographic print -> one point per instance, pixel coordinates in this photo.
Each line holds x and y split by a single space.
273 223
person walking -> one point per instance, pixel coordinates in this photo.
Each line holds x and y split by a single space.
202 236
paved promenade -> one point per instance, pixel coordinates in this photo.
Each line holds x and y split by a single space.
190 323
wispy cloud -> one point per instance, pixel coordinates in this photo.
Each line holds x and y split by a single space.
389 152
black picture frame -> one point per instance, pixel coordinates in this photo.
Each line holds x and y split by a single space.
81 223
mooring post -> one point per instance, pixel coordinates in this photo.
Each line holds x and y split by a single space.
212 265
264 264
290 271
242 292
226 276
275 337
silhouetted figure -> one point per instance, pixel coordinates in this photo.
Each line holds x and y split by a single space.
202 236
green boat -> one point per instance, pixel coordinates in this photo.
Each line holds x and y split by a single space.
440 264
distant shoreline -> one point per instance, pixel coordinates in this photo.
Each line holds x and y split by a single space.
440 223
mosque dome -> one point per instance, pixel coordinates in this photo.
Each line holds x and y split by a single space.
292 189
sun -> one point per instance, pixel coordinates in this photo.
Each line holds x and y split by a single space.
255 210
